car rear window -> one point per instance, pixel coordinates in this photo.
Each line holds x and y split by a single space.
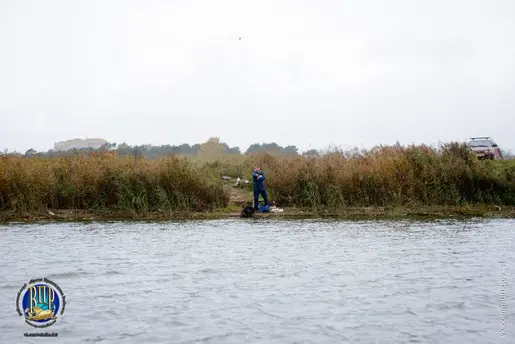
479 143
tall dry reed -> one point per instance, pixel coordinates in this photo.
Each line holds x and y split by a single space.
102 182
388 176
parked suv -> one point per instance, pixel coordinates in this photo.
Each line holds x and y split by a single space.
485 148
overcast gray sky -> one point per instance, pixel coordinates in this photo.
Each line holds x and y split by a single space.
308 73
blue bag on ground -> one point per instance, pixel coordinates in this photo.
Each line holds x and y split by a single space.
264 208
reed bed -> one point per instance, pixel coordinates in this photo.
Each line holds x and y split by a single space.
388 176
384 177
106 182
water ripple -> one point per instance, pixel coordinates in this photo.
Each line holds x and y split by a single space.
268 281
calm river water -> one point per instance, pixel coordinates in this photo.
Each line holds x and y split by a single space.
263 281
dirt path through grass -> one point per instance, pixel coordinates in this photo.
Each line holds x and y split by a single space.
238 196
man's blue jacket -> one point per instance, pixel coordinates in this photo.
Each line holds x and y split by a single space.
258 183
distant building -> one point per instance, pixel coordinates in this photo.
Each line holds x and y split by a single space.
94 143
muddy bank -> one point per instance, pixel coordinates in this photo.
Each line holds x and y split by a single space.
289 213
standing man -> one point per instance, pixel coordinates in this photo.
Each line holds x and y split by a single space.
259 186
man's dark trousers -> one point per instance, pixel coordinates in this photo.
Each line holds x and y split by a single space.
259 191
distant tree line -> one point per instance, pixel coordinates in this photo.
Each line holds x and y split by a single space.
212 148
272 148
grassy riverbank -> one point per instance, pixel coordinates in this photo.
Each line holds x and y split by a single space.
386 182
351 213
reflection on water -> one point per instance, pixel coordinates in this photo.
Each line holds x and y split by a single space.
261 281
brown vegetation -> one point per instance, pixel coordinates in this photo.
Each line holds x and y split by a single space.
106 182
385 177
